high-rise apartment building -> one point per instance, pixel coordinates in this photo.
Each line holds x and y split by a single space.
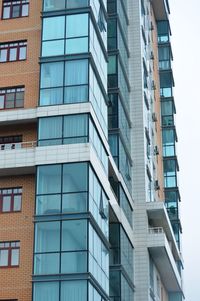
89 200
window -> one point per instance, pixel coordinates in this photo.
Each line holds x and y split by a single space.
9 254
62 4
73 290
73 75
11 98
13 51
15 9
8 299
10 199
71 129
65 35
71 188
10 142
60 247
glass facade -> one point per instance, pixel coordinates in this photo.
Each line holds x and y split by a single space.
70 129
121 252
169 137
71 250
67 241
121 264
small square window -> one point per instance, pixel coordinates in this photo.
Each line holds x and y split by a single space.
15 9
10 200
11 98
13 51
9 254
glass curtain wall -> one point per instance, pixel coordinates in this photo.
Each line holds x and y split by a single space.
121 283
169 137
118 87
67 241
121 264
71 250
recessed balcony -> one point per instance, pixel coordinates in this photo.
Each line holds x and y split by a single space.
160 250
159 219
21 158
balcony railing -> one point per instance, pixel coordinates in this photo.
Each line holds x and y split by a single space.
18 145
156 230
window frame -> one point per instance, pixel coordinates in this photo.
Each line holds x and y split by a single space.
10 5
10 248
12 199
18 46
11 90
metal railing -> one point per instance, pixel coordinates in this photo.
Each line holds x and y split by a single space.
18 145
156 230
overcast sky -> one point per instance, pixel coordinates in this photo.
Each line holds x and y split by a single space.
185 25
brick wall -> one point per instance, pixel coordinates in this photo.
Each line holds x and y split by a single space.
16 282
23 72
29 132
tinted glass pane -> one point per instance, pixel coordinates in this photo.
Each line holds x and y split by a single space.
75 177
46 263
50 128
74 262
53 48
77 25
76 3
74 235
53 28
74 202
49 179
74 291
77 45
112 65
53 4
46 291
47 237
52 75
15 11
76 72
48 204
51 96
76 125
76 94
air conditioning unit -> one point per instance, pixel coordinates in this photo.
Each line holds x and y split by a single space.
153 85
156 150
151 55
154 117
156 185
151 26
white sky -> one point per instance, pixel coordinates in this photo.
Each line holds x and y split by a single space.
185 25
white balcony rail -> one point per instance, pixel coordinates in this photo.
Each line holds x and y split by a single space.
18 145
156 230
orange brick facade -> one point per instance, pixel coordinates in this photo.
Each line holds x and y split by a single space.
16 283
25 72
